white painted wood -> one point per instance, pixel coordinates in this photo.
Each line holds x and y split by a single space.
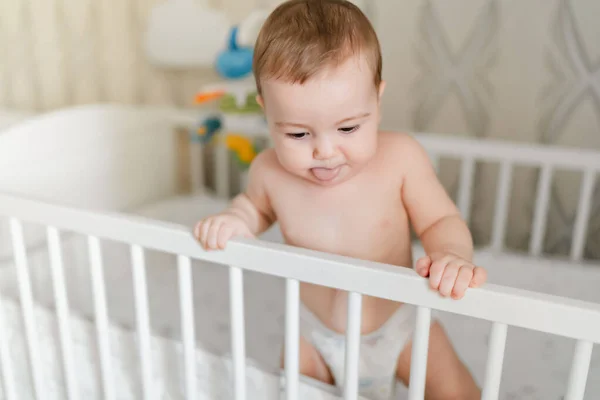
102 333
222 170
352 346
579 370
420 349
188 335
540 214
495 360
62 309
238 331
142 319
197 166
492 150
551 314
292 339
129 151
26 299
8 377
465 187
501 207
583 215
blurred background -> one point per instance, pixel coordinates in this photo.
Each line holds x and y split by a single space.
522 70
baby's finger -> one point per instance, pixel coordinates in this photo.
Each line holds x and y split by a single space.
204 232
462 282
449 278
422 266
213 233
436 271
197 230
224 235
479 277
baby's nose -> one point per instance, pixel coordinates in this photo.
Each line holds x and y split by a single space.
323 150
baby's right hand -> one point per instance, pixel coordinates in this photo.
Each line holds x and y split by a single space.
214 232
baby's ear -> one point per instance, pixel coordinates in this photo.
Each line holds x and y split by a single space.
381 89
260 101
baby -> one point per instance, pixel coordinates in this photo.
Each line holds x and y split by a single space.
337 184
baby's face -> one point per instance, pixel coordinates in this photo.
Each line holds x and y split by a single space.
325 130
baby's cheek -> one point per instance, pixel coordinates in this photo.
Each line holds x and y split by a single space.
293 158
364 150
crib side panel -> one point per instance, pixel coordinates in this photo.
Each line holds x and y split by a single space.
104 157
547 161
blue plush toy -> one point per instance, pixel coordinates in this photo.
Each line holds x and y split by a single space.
235 62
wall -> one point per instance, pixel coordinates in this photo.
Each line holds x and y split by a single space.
524 70
64 52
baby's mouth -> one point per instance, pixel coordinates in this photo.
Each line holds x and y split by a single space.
326 174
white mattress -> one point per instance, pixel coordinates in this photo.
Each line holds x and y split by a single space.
536 365
213 374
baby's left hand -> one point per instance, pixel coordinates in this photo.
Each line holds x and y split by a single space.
450 274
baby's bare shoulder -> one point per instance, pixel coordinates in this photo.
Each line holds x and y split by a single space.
402 149
264 163
264 168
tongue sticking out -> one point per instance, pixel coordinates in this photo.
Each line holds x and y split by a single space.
325 174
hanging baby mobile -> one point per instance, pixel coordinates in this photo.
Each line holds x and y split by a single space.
239 122
188 34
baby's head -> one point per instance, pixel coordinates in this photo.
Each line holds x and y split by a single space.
317 65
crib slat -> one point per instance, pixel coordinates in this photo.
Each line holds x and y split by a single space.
26 303
222 170
467 170
8 376
238 335
142 319
187 324
292 338
418 361
197 166
352 346
501 209
495 360
62 308
542 202
102 332
579 370
583 215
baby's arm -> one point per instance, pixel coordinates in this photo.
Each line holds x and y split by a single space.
436 220
248 215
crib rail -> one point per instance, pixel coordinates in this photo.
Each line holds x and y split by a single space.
501 305
523 153
549 160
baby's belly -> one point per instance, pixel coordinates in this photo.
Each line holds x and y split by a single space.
331 305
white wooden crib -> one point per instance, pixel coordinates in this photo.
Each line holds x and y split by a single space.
99 282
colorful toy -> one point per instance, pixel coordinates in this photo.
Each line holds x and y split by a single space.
235 62
239 121
207 129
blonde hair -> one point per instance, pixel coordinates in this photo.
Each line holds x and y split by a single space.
301 37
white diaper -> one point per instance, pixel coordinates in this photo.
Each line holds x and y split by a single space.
378 354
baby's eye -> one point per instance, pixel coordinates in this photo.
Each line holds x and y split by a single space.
349 129
297 135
